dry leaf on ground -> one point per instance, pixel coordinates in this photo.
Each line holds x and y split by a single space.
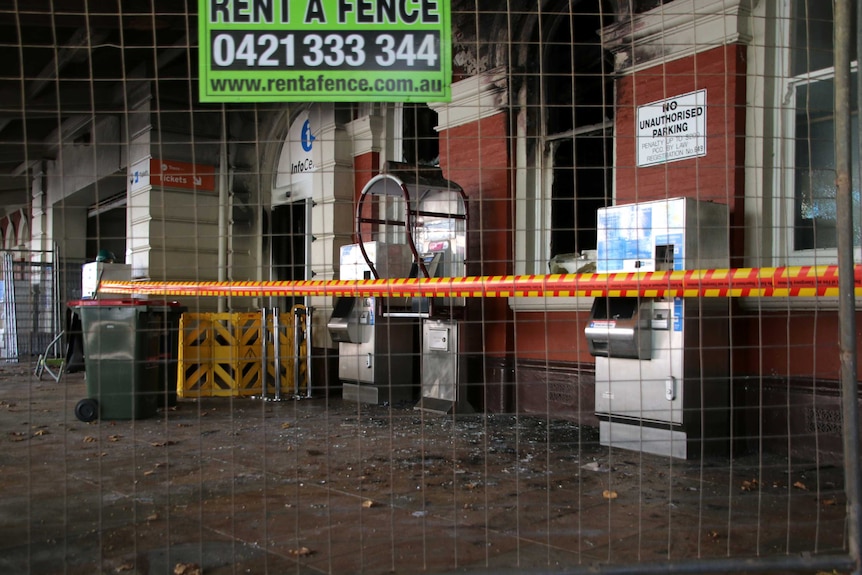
301 552
187 569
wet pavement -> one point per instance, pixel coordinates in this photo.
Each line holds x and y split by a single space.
320 485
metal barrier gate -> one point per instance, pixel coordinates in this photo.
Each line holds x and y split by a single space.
30 317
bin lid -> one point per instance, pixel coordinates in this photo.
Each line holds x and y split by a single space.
119 302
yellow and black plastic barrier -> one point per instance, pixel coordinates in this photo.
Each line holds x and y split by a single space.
224 354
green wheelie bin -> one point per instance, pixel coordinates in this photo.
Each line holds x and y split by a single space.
123 357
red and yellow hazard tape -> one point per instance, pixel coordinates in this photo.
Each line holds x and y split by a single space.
799 281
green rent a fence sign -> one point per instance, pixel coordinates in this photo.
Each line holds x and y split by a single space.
324 50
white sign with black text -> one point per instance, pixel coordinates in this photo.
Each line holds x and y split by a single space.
672 129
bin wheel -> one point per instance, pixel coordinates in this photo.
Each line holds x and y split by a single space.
87 410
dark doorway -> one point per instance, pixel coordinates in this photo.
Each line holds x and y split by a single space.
289 247
106 230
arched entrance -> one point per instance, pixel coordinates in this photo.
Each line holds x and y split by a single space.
290 235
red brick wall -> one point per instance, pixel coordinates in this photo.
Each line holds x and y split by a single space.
791 344
476 157
719 175
553 336
796 343
365 167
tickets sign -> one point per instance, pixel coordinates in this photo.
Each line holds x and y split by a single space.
182 175
171 174
324 50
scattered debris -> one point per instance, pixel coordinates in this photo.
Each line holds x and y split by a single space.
162 443
187 569
714 535
301 552
596 466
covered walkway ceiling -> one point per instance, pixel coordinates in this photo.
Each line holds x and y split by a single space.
63 64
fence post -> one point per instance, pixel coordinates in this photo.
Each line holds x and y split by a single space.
847 298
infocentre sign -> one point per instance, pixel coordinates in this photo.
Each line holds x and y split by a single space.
324 50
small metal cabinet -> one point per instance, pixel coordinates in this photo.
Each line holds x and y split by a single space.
443 367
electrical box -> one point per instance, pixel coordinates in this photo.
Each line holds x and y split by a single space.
94 272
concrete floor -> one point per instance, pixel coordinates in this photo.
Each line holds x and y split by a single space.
326 486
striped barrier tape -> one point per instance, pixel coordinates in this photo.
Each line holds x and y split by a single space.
798 281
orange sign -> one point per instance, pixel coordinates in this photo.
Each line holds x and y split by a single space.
182 175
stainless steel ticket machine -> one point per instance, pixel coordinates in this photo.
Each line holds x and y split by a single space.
376 351
417 209
662 363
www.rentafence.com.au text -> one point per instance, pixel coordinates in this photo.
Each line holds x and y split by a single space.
321 83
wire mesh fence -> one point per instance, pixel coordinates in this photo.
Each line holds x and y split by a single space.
577 283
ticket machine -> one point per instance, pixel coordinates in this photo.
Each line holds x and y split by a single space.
376 350
662 363
416 207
